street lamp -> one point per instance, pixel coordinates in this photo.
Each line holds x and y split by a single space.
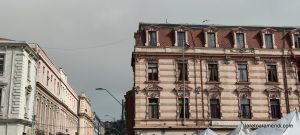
110 95
122 105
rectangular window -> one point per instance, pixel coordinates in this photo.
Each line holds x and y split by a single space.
275 108
215 108
1 64
242 73
240 40
269 41
28 70
245 108
183 72
153 108
213 74
47 78
0 96
152 71
152 38
297 40
298 74
183 107
272 73
211 39
181 39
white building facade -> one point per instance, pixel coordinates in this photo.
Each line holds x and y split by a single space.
56 100
17 87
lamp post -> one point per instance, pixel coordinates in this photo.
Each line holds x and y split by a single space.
122 105
110 95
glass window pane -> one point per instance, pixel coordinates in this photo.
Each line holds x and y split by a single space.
240 40
269 41
211 39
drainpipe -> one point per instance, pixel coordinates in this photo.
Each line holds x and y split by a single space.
286 92
196 92
202 90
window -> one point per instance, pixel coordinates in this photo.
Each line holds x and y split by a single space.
211 39
0 97
275 108
215 108
213 73
183 73
28 70
242 73
181 39
153 108
152 71
240 42
1 64
297 40
48 78
269 41
272 73
245 108
183 107
298 74
152 38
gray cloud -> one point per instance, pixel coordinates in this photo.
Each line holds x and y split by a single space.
72 24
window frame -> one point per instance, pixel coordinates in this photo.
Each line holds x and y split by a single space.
3 64
278 106
268 72
180 63
157 67
149 29
218 109
211 29
246 71
156 105
242 107
208 41
209 74
265 32
186 107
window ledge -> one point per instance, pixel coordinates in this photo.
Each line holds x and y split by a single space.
243 83
179 82
272 83
152 81
213 82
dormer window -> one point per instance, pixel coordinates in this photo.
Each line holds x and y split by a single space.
295 37
240 40
211 40
152 35
269 41
181 38
297 40
152 38
211 37
239 36
268 38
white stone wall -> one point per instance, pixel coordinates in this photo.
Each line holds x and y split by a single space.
17 110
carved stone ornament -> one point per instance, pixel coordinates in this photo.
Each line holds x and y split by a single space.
181 28
244 91
242 50
214 88
28 88
152 90
152 28
180 89
274 91
256 60
227 59
136 89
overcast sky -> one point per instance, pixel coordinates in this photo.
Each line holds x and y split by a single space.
92 40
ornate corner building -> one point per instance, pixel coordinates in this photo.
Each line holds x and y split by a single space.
17 87
190 77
